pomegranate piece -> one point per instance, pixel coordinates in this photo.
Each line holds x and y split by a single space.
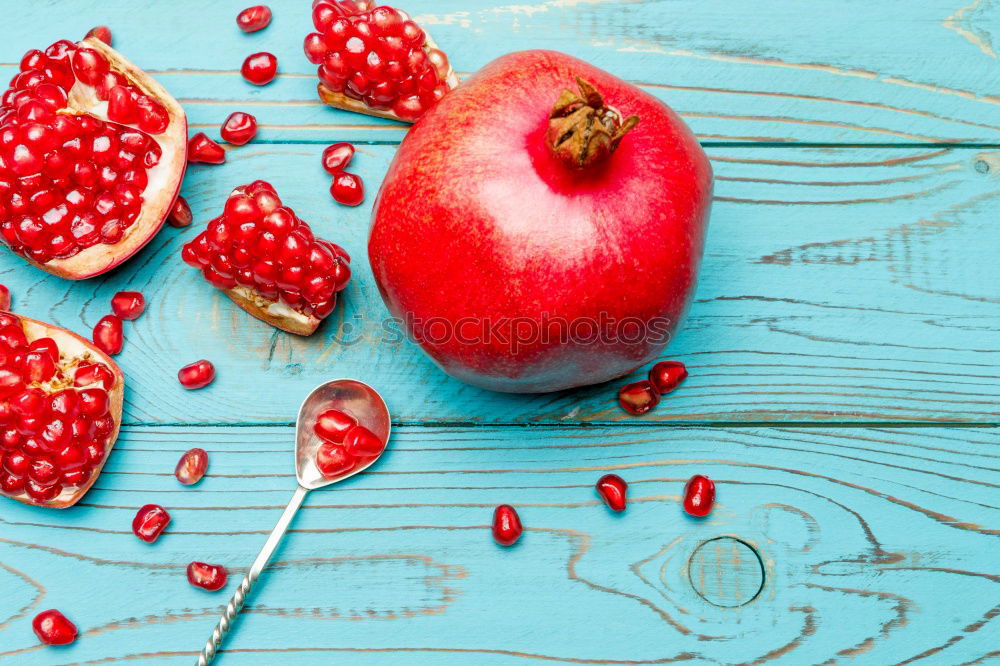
376 60
197 375
254 18
180 215
638 398
60 408
192 466
128 305
666 376
101 32
203 150
268 261
334 461
332 425
336 157
92 152
52 628
347 189
4 298
150 522
239 128
108 335
506 525
361 442
612 489
699 496
260 68
209 577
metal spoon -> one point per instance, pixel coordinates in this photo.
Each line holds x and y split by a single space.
352 397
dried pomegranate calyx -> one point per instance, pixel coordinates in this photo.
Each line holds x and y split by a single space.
583 130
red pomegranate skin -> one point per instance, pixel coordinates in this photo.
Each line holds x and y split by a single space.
477 218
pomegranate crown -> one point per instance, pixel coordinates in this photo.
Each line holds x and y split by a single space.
583 131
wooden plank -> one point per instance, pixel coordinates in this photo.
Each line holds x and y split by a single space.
885 72
839 285
876 543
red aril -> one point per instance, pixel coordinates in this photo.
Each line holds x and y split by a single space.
260 68
108 335
254 18
269 262
347 189
209 577
699 496
192 466
239 128
612 489
506 525
128 305
180 215
101 32
376 60
92 152
149 522
333 424
197 375
336 157
527 176
361 442
638 398
334 461
4 298
203 150
666 376
52 628
60 409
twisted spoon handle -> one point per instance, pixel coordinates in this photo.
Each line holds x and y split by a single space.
243 591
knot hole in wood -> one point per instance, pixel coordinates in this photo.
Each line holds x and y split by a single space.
726 572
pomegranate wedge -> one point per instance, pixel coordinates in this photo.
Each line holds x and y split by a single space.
60 410
92 153
376 60
268 261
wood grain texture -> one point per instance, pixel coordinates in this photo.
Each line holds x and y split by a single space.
860 533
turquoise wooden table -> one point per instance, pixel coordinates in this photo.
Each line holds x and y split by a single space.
844 347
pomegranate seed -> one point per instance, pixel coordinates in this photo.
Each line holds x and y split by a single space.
128 305
506 525
333 460
336 157
180 214
52 628
259 68
254 18
362 442
347 189
197 375
666 376
192 466
150 522
202 150
4 298
699 496
638 398
209 577
239 128
101 32
333 424
612 489
108 335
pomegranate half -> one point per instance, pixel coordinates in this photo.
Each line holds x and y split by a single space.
92 153
60 411
541 227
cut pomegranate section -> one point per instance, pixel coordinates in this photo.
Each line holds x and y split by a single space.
92 152
60 409
268 261
376 60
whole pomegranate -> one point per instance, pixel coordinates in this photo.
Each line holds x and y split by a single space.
541 227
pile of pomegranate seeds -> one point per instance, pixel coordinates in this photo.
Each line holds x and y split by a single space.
254 18
128 305
506 525
101 32
197 375
346 444
260 68
202 150
640 397
52 628
377 56
4 298
347 188
108 335
192 466
612 489
699 496
180 215
239 128
149 522
269 262
209 577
